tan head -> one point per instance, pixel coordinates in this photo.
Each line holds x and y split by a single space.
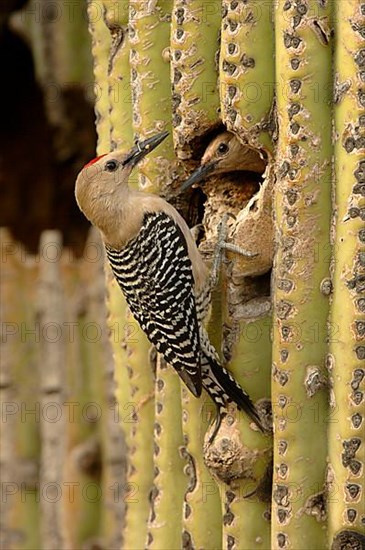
225 153
102 185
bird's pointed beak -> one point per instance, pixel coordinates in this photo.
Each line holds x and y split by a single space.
142 148
198 175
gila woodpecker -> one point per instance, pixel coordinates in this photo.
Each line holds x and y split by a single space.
225 153
160 272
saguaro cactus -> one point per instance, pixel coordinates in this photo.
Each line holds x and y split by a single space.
346 347
303 208
246 72
299 343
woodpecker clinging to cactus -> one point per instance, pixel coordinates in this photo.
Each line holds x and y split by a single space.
225 153
160 271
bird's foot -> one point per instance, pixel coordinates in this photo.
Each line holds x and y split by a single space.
223 245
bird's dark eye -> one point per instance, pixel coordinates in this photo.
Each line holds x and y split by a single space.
111 165
222 148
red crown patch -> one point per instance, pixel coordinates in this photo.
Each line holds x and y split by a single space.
94 160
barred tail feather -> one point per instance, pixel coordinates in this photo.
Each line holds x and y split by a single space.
229 390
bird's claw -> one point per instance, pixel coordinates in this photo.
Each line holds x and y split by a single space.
222 245
137 143
235 248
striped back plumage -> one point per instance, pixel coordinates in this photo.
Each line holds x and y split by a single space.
154 272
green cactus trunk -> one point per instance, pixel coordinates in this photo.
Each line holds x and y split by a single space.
192 493
303 209
247 499
194 44
101 43
164 525
120 97
247 71
346 347
199 529
149 35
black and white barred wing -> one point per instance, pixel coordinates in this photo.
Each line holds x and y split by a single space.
155 274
